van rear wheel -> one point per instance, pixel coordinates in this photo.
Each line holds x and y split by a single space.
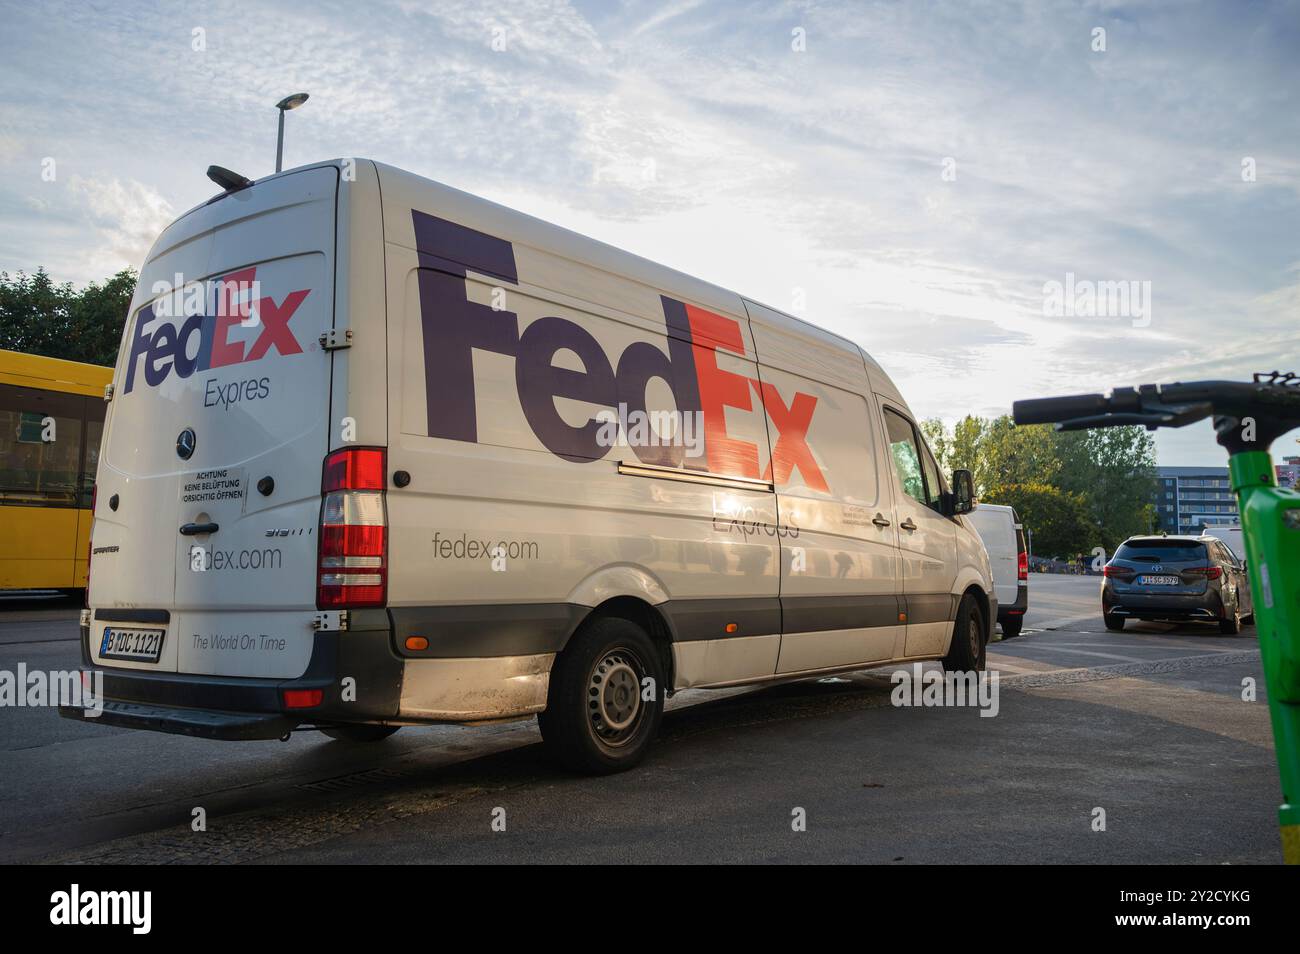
966 653
598 718
360 733
1011 626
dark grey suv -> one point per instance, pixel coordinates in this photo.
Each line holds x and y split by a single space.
1175 579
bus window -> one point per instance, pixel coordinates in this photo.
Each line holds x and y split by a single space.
40 447
90 459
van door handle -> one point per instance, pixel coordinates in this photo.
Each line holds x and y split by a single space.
193 529
908 524
880 521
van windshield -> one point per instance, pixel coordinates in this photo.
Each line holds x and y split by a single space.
1161 551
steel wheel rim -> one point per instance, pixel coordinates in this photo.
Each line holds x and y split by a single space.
973 634
614 708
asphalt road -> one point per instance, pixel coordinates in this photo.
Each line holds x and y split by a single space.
1148 726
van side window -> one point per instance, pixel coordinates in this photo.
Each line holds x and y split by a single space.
933 486
903 452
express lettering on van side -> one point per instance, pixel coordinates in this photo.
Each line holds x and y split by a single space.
454 327
165 347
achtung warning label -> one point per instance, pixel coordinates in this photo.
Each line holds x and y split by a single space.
214 486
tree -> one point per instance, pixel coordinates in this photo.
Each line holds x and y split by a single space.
994 451
1113 469
936 435
1058 518
39 317
967 440
1007 454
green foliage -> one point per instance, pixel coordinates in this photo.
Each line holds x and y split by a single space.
1059 518
1114 468
936 435
1111 472
40 317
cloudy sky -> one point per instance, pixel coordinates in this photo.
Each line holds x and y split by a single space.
910 175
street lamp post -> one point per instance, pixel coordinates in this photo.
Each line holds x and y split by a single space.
284 105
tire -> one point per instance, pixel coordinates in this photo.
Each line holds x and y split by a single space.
1113 623
1011 626
1232 625
596 720
970 639
360 733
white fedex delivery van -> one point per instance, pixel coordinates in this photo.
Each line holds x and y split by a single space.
380 453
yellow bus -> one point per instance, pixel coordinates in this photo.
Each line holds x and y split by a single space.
51 420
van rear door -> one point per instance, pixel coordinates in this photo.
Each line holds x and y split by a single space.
997 528
209 485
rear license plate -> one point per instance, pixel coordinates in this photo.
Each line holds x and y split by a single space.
139 645
1158 581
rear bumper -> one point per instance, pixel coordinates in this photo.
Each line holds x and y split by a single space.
1018 607
229 707
203 723
360 678
1206 606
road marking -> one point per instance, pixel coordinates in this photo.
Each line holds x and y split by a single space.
1052 647
1022 664
1066 621
41 642
1150 668
1146 645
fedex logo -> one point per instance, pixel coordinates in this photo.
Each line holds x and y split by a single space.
455 327
202 341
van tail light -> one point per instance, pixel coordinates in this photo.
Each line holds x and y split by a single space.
1209 572
1022 565
1118 572
352 569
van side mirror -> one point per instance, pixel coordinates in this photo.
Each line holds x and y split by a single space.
963 492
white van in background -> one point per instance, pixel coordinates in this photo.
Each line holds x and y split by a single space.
1004 538
381 453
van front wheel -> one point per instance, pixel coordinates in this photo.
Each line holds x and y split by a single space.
605 700
967 650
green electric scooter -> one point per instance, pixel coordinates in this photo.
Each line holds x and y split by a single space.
1247 417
